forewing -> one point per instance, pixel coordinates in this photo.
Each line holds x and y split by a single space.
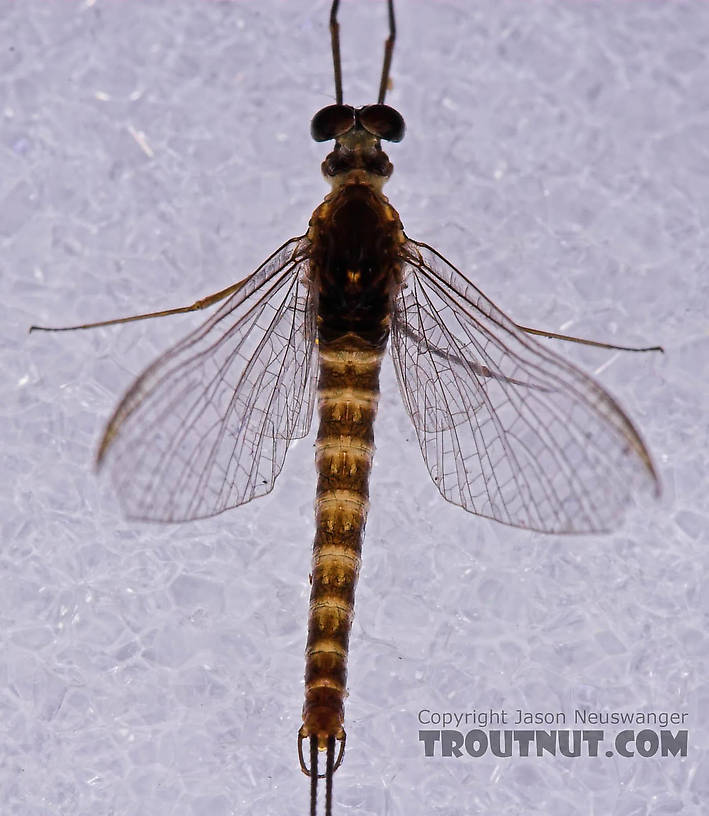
206 427
508 429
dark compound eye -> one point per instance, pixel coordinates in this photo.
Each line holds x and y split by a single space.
382 121
331 122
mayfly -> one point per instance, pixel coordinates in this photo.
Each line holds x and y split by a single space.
508 430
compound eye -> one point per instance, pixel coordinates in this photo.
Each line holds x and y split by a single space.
331 122
383 122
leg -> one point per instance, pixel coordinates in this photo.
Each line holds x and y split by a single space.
202 303
335 39
388 52
595 343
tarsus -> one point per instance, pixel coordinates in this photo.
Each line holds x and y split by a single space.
337 63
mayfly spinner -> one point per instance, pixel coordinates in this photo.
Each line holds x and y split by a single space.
508 429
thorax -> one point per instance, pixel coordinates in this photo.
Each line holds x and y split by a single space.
355 265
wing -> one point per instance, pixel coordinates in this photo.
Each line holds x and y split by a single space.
206 427
508 429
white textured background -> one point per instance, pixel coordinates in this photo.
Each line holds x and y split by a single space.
558 152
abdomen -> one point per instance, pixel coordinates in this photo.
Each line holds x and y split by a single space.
348 398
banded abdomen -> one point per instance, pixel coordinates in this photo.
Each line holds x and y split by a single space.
348 397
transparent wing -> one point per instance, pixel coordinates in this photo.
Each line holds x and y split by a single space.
508 429
206 427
